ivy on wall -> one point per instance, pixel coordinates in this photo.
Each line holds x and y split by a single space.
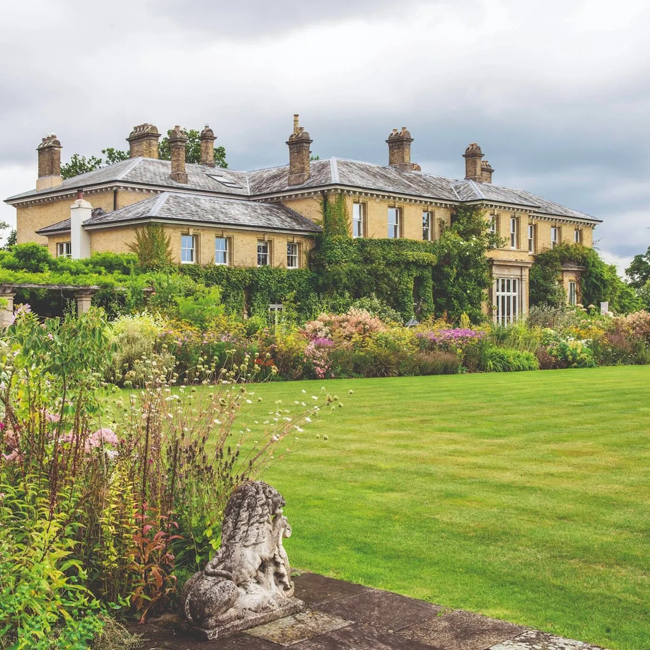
599 281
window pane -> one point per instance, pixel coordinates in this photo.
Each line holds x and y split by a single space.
221 251
292 255
262 253
188 245
426 226
393 223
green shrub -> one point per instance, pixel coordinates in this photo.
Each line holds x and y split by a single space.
508 360
516 336
201 308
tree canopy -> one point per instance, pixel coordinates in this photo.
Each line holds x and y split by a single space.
81 164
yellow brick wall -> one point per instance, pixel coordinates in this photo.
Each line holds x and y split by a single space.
30 218
542 233
243 245
312 208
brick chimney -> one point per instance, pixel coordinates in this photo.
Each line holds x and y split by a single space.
49 163
177 140
473 166
399 151
486 171
143 141
207 139
299 154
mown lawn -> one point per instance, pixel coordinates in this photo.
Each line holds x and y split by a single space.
521 496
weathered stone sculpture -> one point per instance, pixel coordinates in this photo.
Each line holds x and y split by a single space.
248 582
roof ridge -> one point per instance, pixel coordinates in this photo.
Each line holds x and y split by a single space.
334 169
128 168
159 202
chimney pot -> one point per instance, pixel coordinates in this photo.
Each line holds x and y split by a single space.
299 154
207 139
399 150
473 166
49 163
143 141
177 141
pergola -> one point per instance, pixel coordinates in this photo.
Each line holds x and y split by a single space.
82 293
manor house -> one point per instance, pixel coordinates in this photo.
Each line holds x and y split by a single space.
271 216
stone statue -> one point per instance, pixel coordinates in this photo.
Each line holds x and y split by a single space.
248 582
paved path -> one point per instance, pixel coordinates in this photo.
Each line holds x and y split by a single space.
343 616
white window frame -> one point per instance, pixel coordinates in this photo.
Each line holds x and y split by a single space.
573 293
192 250
531 238
514 227
507 298
293 258
493 224
427 223
261 254
358 220
394 227
64 249
577 236
555 235
225 252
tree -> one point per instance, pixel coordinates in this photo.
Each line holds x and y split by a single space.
153 248
81 164
462 273
11 237
639 270
192 149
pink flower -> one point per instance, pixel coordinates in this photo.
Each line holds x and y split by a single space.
13 456
101 436
52 417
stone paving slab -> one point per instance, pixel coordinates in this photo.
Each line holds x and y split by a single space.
360 637
343 616
459 630
299 627
381 610
314 589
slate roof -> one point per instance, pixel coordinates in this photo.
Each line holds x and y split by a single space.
171 206
324 173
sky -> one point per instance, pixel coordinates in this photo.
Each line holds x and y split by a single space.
556 93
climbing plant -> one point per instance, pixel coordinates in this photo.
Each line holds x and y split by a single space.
599 281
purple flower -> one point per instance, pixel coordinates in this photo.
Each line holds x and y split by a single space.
322 342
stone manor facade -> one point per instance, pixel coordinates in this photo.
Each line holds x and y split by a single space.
271 216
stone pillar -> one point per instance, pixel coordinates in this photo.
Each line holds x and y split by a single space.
473 156
84 300
177 141
49 163
80 211
299 154
7 312
399 149
207 139
143 141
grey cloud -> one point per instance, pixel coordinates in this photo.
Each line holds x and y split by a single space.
257 18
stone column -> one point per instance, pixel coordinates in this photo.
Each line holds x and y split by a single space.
84 300
7 312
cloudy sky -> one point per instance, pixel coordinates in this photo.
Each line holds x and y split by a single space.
556 93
